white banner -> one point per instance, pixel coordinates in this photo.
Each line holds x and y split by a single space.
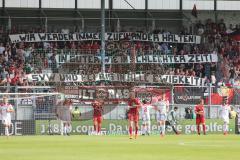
110 36
162 59
116 77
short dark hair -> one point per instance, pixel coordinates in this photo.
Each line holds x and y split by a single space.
175 108
200 100
144 101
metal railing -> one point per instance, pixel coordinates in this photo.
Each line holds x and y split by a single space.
189 97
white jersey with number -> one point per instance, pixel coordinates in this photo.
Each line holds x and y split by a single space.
225 113
4 110
146 111
5 114
161 106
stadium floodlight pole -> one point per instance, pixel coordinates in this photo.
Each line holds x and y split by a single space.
103 35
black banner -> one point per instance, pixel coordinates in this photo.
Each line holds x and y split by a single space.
186 95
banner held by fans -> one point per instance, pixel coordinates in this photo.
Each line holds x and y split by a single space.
162 59
116 77
110 36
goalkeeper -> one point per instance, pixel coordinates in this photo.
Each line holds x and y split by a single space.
76 114
172 120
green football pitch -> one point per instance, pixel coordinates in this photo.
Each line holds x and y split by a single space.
171 147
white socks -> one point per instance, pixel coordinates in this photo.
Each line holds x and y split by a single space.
65 130
146 129
149 127
6 131
68 129
225 127
162 129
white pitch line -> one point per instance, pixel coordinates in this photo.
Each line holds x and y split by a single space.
199 144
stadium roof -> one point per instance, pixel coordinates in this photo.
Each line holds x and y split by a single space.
124 4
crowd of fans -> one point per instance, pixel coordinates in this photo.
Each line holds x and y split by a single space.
216 38
18 60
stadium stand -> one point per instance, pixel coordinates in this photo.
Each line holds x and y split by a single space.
17 60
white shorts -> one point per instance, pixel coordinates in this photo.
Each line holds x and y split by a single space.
66 118
6 121
146 119
225 120
161 117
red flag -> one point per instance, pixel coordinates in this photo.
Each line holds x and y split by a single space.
194 11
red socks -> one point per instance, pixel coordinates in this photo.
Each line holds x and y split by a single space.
198 129
130 130
136 130
99 128
204 128
95 128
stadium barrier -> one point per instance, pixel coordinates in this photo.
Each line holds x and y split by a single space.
35 110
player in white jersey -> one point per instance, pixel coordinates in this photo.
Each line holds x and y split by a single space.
224 112
5 111
146 120
162 108
64 111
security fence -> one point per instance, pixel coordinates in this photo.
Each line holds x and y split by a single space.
37 102
36 106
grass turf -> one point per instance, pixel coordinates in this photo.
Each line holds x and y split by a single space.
171 147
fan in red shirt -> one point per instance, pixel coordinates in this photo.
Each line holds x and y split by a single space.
200 118
133 114
97 115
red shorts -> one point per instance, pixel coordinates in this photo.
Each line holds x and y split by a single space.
200 120
133 117
97 119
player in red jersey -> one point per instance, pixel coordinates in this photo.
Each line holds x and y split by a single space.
200 118
97 115
133 114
